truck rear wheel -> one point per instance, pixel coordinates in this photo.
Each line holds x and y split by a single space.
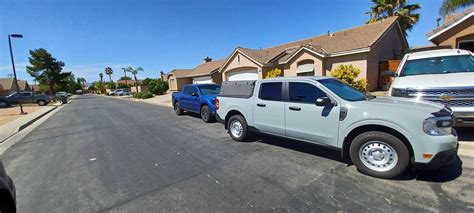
379 154
206 113
237 127
177 109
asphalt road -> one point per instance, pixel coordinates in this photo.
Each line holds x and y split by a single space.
104 154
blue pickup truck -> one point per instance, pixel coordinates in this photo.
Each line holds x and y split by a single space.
198 98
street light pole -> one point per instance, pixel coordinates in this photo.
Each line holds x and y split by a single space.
14 70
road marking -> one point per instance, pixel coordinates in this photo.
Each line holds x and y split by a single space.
92 159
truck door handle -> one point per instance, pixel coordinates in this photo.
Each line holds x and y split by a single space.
295 108
261 105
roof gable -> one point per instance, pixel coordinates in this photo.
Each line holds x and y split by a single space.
7 83
451 22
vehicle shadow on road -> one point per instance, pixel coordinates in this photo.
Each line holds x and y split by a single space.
197 116
444 174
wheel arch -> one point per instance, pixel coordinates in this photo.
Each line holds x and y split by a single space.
229 115
373 127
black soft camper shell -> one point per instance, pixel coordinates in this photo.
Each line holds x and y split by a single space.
237 89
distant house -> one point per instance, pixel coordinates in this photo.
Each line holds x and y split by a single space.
457 31
365 47
7 86
130 82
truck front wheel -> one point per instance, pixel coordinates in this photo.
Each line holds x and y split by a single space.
379 154
177 109
237 126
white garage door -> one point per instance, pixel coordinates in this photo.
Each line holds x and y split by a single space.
202 80
243 76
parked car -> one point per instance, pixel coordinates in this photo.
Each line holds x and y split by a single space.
61 94
120 92
7 192
198 98
442 76
79 92
382 136
24 97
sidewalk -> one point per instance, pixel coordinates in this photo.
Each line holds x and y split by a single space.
12 127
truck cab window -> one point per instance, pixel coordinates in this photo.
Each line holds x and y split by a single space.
304 93
270 91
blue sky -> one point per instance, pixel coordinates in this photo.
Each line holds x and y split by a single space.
89 35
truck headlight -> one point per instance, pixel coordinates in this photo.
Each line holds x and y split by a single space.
437 126
398 92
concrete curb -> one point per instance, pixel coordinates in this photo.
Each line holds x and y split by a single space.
11 128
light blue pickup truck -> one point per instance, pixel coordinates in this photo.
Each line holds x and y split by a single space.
382 136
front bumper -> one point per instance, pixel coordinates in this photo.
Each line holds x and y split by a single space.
464 118
439 160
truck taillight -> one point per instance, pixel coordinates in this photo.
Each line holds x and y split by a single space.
216 102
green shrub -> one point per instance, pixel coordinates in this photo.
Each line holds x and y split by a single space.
156 86
348 74
111 85
122 86
146 95
138 95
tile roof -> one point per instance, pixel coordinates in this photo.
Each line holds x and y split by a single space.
207 68
451 19
344 40
6 83
179 72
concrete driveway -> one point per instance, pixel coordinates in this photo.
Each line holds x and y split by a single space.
113 155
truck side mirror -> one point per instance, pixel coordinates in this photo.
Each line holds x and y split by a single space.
389 73
323 101
194 94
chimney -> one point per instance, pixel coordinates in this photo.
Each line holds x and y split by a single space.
207 59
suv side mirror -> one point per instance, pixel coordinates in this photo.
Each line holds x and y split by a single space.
323 101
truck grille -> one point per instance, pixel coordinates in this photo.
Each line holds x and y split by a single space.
456 96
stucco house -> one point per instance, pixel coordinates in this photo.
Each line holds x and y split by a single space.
8 86
207 72
364 47
457 31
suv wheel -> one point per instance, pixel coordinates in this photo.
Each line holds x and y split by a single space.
4 104
177 109
237 127
42 103
379 154
206 114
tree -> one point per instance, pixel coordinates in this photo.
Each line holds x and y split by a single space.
100 87
449 6
382 9
82 81
101 76
109 72
47 70
111 85
156 86
348 74
123 78
134 72
122 86
276 72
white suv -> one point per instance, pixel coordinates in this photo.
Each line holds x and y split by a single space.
443 76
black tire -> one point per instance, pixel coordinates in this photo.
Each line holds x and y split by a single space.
177 109
391 164
7 205
238 119
206 114
4 104
42 103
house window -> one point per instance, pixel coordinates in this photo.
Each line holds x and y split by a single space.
305 68
466 45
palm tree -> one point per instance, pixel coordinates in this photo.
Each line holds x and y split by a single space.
449 6
109 72
388 8
82 81
134 72
101 76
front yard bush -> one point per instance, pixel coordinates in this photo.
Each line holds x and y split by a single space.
348 74
138 95
147 94
156 86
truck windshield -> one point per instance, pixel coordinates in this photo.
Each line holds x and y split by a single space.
209 89
343 90
439 65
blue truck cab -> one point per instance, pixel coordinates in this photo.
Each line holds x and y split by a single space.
198 98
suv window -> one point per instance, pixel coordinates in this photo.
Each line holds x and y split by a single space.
25 94
270 91
304 92
187 90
